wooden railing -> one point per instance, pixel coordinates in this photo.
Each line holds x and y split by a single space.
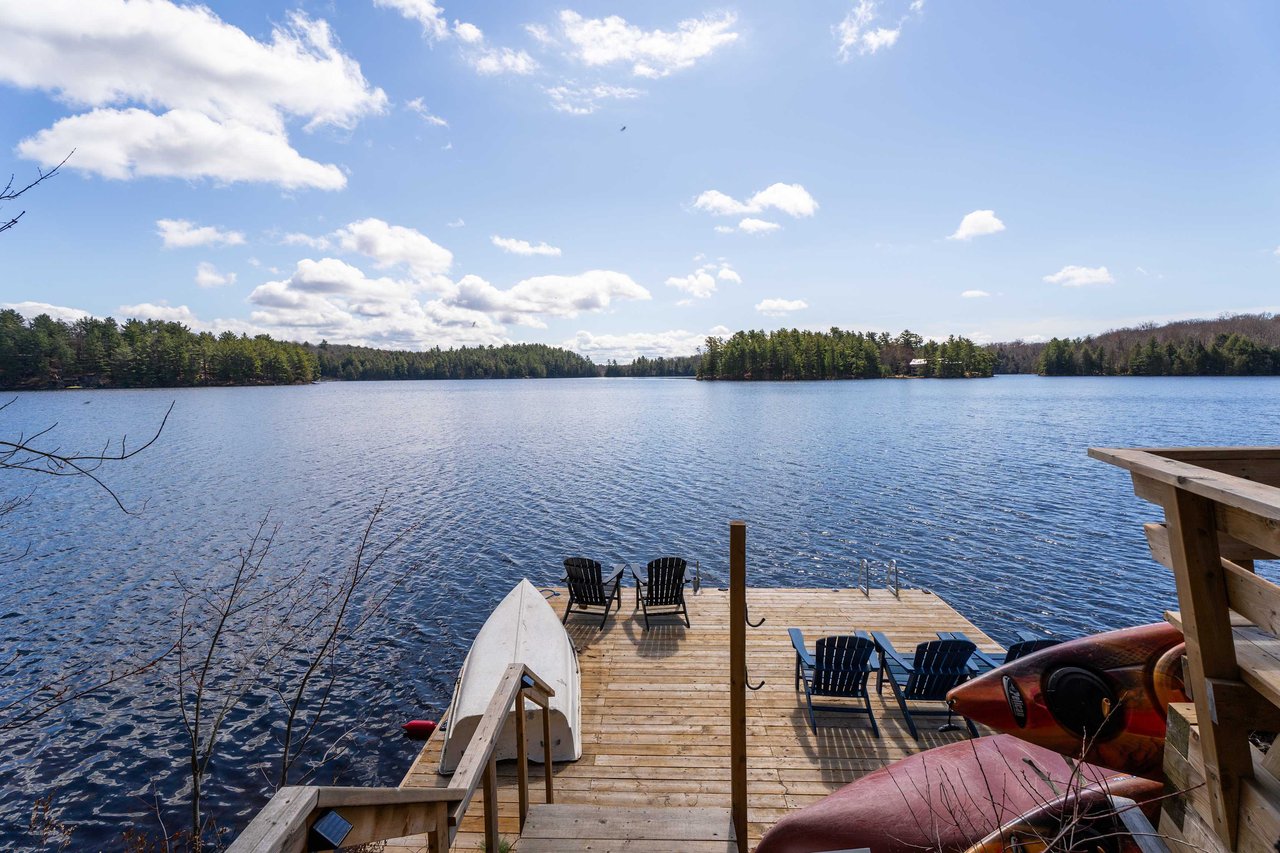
1222 512
379 814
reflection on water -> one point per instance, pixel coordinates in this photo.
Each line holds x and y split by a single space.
981 490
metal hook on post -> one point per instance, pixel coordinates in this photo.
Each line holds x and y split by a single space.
747 615
747 678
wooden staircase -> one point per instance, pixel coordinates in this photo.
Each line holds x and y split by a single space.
560 828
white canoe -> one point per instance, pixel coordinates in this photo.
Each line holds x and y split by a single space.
522 629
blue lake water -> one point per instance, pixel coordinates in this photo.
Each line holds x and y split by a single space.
981 490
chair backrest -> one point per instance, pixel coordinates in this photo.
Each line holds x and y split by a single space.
939 665
583 576
666 581
1023 648
842 666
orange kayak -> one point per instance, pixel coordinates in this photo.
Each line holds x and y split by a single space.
1102 698
952 798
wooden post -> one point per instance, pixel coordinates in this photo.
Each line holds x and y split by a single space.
522 759
546 750
491 806
438 837
1211 654
738 679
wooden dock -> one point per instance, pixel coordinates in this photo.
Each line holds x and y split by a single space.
655 712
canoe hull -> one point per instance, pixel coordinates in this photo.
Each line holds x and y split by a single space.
949 799
523 628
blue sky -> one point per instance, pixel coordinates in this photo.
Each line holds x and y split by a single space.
411 173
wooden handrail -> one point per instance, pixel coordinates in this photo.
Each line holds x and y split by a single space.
1222 512
378 814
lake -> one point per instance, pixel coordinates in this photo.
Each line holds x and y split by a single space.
981 490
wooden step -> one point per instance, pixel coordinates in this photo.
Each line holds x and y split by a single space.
563 828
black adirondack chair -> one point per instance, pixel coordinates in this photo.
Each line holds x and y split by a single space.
938 666
983 662
663 589
839 668
589 589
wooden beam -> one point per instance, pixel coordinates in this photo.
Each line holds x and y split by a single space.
738 679
491 836
546 754
1231 548
522 759
1202 595
1256 498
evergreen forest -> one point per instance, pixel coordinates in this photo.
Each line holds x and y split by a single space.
513 361
839 354
93 353
1233 345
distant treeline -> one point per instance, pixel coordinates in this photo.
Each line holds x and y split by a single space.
513 361
680 365
48 353
1238 345
838 354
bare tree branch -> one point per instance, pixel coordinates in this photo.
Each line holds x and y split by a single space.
9 193
23 454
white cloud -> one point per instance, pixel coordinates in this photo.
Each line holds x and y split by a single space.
207 275
791 199
181 234
425 12
548 295
31 310
780 307
164 311
699 285
502 60
651 53
725 229
540 34
133 143
416 105
1075 276
979 223
467 33
757 226
457 223
630 346
298 239
175 91
524 247
975 294
584 100
390 245
859 31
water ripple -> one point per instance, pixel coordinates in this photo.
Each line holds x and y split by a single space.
981 490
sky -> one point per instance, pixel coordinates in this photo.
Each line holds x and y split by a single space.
628 178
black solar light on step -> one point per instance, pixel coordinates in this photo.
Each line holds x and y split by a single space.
328 832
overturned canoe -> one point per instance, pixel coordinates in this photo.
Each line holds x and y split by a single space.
521 629
1107 691
954 797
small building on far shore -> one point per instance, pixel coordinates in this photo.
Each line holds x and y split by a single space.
918 366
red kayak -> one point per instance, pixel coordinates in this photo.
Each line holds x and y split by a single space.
1109 691
950 799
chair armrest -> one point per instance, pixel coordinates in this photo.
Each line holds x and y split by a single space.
797 643
616 577
1029 636
635 577
986 661
888 652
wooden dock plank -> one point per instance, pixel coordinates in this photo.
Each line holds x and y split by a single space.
655 712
